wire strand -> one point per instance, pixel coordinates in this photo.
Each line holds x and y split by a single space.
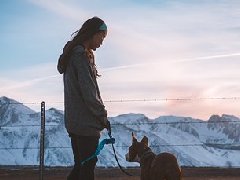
126 146
139 100
133 124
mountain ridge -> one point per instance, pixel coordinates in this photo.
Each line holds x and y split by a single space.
194 142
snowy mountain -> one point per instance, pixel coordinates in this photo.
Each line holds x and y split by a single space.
193 141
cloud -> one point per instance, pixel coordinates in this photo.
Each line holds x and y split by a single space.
210 57
197 78
158 50
172 32
132 82
33 84
63 9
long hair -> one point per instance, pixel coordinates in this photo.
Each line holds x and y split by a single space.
88 29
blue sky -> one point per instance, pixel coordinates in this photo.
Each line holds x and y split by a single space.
154 49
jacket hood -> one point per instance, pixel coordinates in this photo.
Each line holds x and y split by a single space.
65 56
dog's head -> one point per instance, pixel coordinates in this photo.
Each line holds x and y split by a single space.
136 149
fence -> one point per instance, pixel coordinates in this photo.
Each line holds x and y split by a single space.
41 148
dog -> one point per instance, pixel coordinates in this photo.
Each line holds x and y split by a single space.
163 166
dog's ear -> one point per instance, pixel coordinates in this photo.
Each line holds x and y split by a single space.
134 139
145 141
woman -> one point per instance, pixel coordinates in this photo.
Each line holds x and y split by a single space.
84 112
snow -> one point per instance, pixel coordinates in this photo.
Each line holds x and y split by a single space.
188 140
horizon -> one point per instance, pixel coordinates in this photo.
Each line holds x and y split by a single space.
129 113
168 50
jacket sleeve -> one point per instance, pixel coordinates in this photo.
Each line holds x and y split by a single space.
88 86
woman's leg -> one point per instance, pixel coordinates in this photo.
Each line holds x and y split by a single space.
74 174
83 147
87 146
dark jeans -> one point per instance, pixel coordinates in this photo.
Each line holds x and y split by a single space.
83 147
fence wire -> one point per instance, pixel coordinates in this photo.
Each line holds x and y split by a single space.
134 124
131 124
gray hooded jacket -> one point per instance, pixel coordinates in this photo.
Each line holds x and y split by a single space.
84 108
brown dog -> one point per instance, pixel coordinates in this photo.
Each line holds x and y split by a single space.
153 167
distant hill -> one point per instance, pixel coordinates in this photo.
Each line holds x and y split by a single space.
194 142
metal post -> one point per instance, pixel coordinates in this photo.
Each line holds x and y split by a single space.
42 135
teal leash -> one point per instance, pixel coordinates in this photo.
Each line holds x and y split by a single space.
99 148
101 145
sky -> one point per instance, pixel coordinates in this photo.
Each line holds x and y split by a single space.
184 53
